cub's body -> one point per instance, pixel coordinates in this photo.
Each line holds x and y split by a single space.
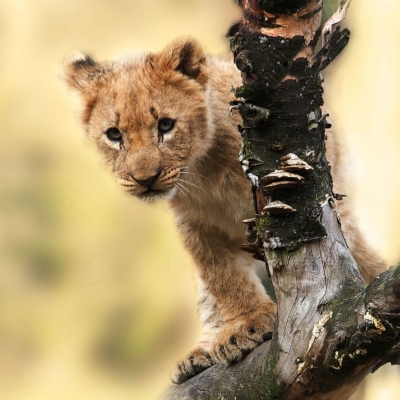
161 123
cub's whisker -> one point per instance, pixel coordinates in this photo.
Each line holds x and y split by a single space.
195 174
180 188
196 186
125 182
190 192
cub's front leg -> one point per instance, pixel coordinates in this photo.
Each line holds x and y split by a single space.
236 313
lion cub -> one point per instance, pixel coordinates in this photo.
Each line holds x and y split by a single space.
161 123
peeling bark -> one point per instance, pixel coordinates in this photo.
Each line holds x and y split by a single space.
332 330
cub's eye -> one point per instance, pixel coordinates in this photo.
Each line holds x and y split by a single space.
165 125
114 135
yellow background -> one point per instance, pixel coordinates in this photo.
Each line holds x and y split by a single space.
97 299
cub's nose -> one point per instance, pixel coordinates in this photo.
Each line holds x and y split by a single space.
148 181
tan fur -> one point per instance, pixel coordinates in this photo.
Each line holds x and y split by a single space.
195 168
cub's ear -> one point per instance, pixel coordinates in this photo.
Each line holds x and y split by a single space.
81 72
187 57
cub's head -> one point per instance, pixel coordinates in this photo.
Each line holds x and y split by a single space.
148 115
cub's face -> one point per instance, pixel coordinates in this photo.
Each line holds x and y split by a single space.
148 116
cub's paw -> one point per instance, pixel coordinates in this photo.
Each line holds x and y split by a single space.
241 337
194 363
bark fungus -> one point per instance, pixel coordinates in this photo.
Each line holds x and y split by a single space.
332 329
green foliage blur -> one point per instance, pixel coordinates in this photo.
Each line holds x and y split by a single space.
97 295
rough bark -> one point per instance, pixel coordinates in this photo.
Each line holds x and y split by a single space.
332 329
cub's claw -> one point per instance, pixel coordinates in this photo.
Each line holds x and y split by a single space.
237 339
194 363
235 342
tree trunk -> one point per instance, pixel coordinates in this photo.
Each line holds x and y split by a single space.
332 329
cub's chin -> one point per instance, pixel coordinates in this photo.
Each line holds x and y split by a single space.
152 195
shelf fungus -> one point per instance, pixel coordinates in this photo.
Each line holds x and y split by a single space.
292 163
250 222
277 207
281 179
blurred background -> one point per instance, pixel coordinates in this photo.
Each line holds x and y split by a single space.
97 296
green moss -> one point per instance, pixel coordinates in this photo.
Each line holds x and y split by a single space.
271 389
